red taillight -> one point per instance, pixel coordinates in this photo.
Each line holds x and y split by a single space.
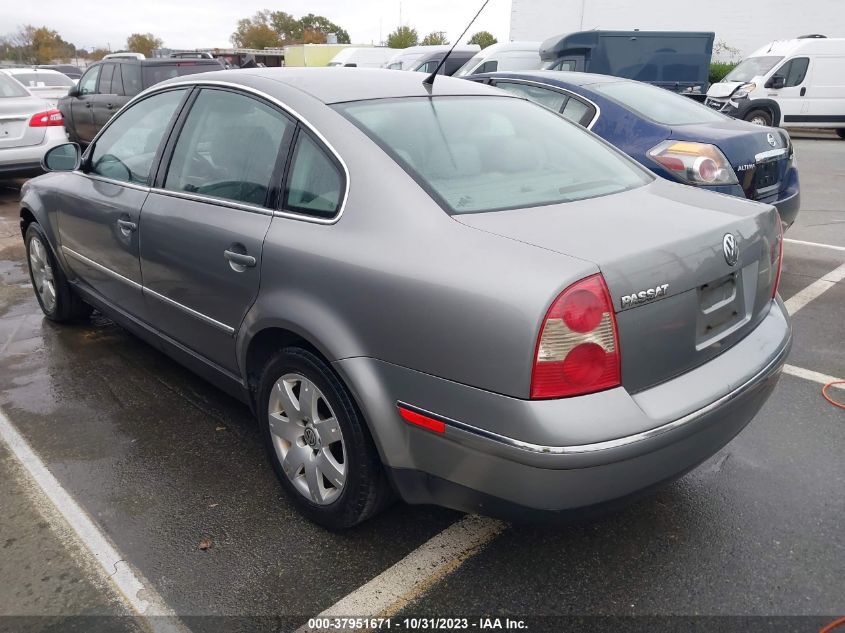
578 346
424 421
779 251
46 119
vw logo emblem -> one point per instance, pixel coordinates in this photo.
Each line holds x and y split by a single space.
310 437
730 248
772 140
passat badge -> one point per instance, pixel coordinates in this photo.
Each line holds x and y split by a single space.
644 296
730 248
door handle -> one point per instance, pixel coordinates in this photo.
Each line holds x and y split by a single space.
803 91
127 225
88 104
109 106
239 259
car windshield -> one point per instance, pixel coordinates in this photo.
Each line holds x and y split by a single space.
41 80
476 154
752 67
658 104
466 69
10 88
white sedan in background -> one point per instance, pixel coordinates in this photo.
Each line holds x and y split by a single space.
50 85
29 126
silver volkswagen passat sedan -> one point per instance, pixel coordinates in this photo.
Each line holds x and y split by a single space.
443 292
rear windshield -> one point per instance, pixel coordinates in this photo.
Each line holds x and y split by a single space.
11 88
476 154
658 104
160 72
752 67
40 80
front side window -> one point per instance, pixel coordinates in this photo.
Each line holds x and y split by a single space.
794 71
488 67
658 104
228 148
476 154
127 147
552 99
315 185
88 82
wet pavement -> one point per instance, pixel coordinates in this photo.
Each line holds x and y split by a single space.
162 462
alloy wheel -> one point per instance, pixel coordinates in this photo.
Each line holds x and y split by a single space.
307 438
42 274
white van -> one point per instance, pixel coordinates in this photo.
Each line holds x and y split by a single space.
504 56
788 83
363 57
405 58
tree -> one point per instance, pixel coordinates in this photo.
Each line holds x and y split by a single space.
403 37
435 37
483 39
97 54
319 24
143 43
256 32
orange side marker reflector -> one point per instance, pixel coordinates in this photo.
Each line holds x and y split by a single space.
422 420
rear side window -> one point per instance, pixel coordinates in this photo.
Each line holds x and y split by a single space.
552 99
153 74
131 74
10 88
228 148
577 111
127 147
315 185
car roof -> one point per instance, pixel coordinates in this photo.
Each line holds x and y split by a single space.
157 62
337 85
558 77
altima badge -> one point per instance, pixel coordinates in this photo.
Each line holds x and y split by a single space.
644 296
730 249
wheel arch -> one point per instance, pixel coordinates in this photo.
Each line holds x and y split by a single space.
769 105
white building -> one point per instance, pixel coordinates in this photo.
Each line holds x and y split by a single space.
741 24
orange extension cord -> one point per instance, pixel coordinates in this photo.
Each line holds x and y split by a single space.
836 623
833 402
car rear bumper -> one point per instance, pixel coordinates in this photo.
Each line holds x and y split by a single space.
26 161
563 456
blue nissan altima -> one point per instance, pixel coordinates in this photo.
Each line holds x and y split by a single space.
674 136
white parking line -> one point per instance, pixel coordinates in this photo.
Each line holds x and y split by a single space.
815 289
140 597
809 374
816 244
398 585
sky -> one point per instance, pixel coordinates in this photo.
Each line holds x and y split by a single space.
210 23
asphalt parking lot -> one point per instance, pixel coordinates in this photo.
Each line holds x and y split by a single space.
172 473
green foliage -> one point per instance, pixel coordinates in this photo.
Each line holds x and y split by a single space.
483 39
403 37
143 43
36 45
718 70
435 37
272 29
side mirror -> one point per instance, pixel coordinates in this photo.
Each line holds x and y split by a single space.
64 157
777 82
74 91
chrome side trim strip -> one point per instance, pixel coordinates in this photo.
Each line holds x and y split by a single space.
220 202
101 268
202 317
772 153
111 181
108 271
608 444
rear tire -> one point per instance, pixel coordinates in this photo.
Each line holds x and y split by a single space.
759 117
55 295
318 443
841 132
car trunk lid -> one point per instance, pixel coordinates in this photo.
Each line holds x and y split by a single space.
661 250
15 113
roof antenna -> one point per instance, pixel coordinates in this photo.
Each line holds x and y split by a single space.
429 81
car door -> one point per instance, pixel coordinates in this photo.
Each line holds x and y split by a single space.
826 92
792 98
81 106
204 224
100 211
110 97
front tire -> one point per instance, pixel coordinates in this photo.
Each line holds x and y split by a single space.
759 117
55 295
318 443
841 132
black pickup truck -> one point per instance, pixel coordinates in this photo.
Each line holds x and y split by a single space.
109 84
